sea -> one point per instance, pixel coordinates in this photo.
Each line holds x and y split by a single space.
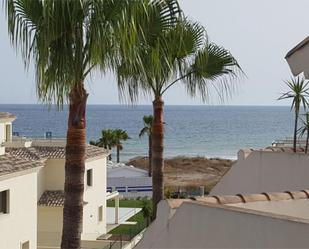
208 131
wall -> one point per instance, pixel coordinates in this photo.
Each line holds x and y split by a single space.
20 224
95 196
51 177
265 171
202 226
126 172
131 187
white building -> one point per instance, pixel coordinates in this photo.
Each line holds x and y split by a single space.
18 199
269 220
273 169
298 58
32 191
129 181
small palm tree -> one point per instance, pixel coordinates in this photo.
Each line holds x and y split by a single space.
304 129
147 129
298 92
106 141
119 136
147 211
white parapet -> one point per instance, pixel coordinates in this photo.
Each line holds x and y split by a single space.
2 150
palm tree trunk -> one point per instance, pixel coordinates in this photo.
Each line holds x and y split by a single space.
157 152
110 154
118 154
307 141
74 169
149 156
295 130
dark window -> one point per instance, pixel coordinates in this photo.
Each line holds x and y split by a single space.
4 202
89 177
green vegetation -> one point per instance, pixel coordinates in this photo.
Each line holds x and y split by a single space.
147 129
131 229
127 203
110 139
304 129
142 218
298 92
67 40
193 60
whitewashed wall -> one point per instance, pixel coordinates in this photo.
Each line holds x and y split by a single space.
265 171
201 226
20 225
51 177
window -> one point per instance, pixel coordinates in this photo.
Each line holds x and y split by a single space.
25 245
100 214
4 202
89 177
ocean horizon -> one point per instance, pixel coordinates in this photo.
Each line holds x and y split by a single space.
190 130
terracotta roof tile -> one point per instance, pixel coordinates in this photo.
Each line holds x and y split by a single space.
240 198
52 152
52 199
12 163
4 115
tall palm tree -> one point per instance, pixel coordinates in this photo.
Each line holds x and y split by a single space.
298 92
192 60
120 135
147 130
66 40
304 129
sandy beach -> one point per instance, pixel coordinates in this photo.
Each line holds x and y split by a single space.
187 172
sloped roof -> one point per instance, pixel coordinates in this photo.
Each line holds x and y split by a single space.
5 115
52 198
298 47
52 152
11 164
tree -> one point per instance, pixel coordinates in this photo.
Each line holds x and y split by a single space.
66 40
304 129
192 60
107 141
147 211
298 92
120 135
147 130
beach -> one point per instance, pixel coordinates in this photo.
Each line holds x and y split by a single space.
189 172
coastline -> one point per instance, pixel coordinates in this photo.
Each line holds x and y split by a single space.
189 172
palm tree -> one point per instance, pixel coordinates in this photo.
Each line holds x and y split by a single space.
66 40
147 211
298 92
107 141
192 60
147 130
120 135
304 129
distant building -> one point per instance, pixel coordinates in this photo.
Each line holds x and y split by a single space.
273 169
269 220
32 191
129 181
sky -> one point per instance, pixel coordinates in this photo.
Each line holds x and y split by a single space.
258 33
